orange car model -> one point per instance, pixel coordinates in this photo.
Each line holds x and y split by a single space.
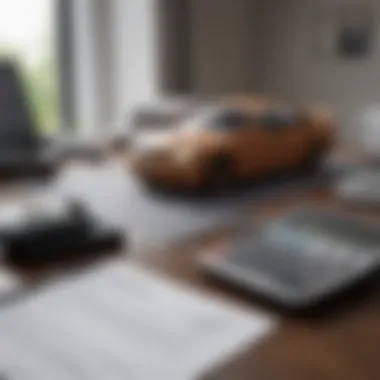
221 145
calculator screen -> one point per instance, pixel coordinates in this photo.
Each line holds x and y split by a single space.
333 233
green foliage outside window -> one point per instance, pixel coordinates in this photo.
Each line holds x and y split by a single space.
43 91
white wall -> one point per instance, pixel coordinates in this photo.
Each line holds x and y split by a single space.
293 68
222 41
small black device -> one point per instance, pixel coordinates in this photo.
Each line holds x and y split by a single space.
43 230
300 260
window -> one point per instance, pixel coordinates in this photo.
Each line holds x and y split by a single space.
27 35
276 119
221 119
230 120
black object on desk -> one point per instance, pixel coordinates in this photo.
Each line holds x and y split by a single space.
300 260
46 230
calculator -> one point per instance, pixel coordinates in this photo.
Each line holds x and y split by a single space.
301 259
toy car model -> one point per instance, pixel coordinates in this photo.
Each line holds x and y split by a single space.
223 144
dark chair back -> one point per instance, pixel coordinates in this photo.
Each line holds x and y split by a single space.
18 130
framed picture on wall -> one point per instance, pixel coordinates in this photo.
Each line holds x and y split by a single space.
345 32
354 31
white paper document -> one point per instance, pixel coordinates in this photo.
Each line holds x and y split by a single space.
121 322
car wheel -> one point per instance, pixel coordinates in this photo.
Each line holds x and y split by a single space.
220 174
313 157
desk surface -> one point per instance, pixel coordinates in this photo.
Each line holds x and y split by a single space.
342 344
339 345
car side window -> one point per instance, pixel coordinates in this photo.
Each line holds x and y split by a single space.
278 120
229 120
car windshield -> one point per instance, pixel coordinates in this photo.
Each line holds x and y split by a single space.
220 119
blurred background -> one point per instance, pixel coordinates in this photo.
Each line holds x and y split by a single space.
86 62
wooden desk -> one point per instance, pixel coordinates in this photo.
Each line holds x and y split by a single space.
340 345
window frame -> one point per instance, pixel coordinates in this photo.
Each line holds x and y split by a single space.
65 38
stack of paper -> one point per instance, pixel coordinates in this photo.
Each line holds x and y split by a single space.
120 322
